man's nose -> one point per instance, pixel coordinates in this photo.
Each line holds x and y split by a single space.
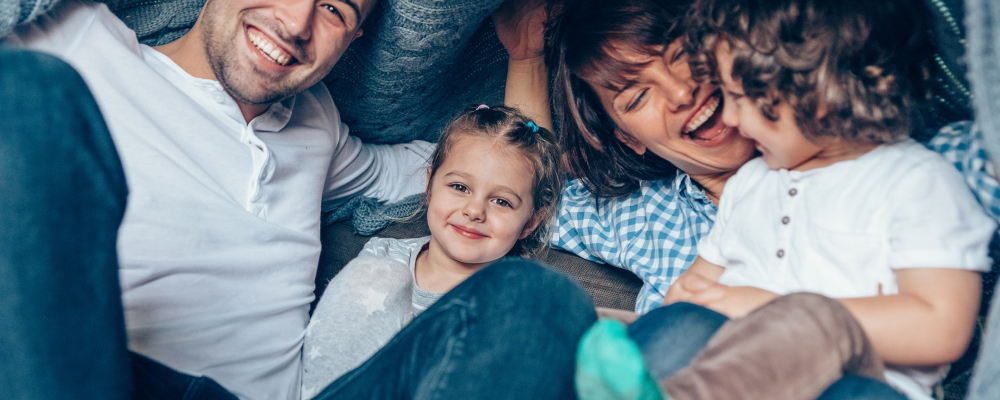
296 17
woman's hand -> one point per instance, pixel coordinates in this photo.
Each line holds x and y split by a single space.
520 26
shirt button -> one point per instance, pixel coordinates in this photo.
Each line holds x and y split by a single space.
784 220
792 192
218 98
781 253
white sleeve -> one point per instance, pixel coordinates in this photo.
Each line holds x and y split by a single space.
936 222
386 172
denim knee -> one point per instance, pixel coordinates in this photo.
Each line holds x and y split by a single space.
854 387
669 337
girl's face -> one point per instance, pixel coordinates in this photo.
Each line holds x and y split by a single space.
780 142
480 201
665 111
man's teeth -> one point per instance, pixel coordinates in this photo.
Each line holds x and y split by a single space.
270 50
706 112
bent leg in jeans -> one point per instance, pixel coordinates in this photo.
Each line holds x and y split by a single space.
62 198
828 356
508 332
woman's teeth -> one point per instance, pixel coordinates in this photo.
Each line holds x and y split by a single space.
269 50
706 112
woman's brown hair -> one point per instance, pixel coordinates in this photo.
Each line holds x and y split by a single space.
585 40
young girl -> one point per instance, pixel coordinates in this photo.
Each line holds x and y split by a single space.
840 203
491 183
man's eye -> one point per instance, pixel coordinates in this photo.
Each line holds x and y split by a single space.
459 187
335 11
503 203
635 103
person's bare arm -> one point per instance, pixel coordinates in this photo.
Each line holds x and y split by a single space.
929 322
520 26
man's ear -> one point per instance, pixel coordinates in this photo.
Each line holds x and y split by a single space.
358 34
629 141
529 228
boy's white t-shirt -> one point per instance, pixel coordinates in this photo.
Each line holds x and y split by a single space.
842 230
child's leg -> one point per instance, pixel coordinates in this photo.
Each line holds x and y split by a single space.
791 348
856 387
615 362
364 306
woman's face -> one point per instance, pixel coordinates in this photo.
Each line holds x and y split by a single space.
666 112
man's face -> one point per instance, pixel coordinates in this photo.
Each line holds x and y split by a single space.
262 51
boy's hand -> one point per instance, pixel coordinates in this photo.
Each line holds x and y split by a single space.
699 276
731 301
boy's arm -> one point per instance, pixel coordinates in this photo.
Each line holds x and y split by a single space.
929 322
700 276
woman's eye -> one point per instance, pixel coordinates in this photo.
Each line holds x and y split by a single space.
679 55
459 187
635 103
503 203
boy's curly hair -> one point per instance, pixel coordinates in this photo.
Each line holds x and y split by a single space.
854 69
538 146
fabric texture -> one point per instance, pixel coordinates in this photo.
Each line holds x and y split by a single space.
750 357
369 215
654 232
369 301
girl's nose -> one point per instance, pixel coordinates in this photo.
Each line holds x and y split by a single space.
474 210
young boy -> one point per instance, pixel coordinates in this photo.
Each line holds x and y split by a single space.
841 203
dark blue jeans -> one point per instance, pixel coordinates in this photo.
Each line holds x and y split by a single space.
510 331
670 337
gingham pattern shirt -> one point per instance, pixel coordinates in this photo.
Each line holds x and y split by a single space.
654 232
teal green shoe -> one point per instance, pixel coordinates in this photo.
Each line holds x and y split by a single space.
609 366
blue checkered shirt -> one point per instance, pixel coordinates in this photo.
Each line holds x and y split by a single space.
654 231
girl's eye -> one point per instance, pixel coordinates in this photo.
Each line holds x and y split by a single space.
459 187
503 203
635 103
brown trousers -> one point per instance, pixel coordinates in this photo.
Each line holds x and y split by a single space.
791 348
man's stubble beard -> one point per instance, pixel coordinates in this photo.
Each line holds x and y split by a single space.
234 77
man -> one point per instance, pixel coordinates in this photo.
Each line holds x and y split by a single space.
228 146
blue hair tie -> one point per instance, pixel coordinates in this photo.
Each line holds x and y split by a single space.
534 128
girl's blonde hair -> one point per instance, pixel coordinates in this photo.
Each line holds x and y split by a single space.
537 145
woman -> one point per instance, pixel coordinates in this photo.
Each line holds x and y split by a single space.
648 143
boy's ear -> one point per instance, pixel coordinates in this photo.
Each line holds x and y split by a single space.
629 141
358 34
529 228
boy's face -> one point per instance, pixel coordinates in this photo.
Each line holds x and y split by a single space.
262 51
780 142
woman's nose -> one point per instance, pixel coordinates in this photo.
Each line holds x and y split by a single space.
679 88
